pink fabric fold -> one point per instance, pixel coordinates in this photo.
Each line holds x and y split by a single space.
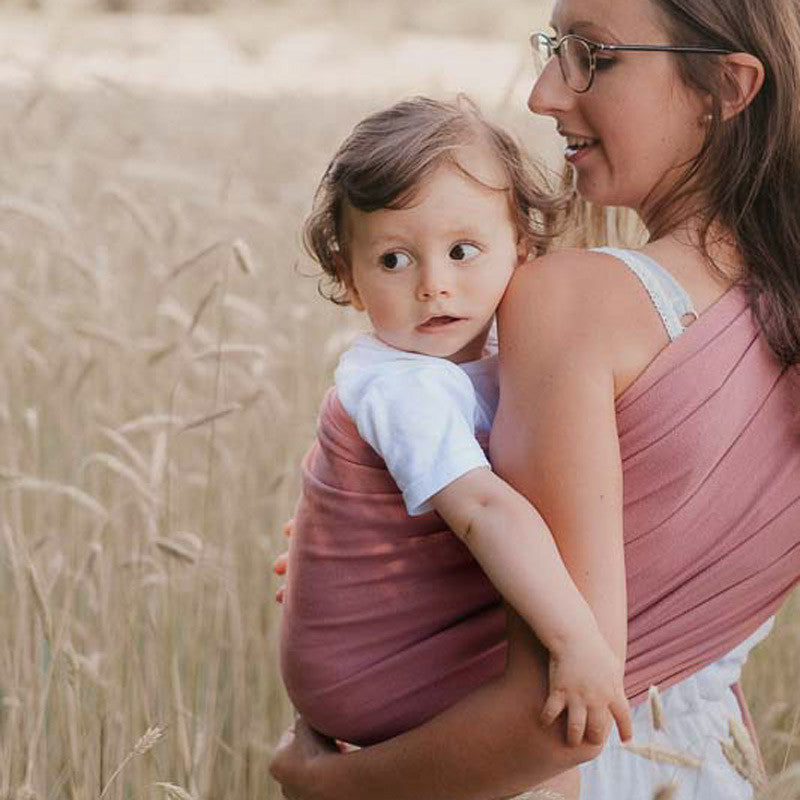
710 440
388 619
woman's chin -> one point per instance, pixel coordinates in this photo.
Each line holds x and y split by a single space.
599 193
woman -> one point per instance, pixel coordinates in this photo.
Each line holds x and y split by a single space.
698 435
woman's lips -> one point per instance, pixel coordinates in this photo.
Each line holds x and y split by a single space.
576 153
437 323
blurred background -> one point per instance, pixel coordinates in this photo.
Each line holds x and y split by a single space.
164 354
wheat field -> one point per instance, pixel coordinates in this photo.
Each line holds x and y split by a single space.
164 356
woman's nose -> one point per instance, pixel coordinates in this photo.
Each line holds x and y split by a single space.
550 96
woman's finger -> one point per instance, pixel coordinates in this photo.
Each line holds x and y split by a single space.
279 766
288 528
280 595
576 723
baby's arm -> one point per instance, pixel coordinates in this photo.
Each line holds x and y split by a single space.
514 547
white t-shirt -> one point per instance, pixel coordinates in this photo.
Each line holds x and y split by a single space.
420 413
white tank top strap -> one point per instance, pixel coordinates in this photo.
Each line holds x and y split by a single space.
670 298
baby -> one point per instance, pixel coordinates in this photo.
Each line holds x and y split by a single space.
420 221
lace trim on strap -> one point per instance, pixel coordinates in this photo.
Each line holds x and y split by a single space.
670 299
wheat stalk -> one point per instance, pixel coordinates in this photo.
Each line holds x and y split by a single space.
662 755
123 471
40 601
656 708
179 548
123 444
145 743
742 756
173 791
201 307
232 350
81 498
243 257
134 208
212 417
182 266
149 421
666 791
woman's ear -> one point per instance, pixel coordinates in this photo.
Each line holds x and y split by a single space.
746 77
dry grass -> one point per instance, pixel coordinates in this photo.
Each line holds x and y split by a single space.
152 418
161 368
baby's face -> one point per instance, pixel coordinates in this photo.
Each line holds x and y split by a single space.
431 275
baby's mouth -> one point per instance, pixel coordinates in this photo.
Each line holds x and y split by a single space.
442 321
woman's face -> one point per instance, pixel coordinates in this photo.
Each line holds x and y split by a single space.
638 125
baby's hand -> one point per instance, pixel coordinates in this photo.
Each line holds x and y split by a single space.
281 563
586 680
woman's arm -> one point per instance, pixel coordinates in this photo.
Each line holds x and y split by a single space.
555 437
490 744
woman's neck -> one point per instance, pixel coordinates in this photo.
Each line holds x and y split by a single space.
714 247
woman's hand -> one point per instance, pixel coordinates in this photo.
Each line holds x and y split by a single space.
293 763
281 563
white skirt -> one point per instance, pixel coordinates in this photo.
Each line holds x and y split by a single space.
696 715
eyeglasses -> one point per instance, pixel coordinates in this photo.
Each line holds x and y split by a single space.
577 57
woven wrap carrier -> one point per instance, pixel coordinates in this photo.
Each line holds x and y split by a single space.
388 619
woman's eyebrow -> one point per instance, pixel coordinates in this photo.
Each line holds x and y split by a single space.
586 27
592 28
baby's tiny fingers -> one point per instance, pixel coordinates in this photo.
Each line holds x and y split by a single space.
280 563
596 725
288 528
576 723
555 704
621 712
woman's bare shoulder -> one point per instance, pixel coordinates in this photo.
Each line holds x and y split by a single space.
576 272
586 301
571 287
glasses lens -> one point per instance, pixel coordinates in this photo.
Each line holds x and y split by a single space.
542 51
576 63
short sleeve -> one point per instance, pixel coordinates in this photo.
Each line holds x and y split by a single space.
421 420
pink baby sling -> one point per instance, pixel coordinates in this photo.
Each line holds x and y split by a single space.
388 620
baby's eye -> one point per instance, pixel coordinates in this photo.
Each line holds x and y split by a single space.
395 261
461 252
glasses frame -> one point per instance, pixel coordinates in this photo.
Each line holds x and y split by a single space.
554 46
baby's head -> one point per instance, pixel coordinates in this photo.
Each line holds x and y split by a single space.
420 219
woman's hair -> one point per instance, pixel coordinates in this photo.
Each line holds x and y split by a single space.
747 174
388 156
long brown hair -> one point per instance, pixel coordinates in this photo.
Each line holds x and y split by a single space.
748 170
388 156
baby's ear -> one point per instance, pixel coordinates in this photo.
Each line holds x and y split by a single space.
354 298
524 250
344 273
